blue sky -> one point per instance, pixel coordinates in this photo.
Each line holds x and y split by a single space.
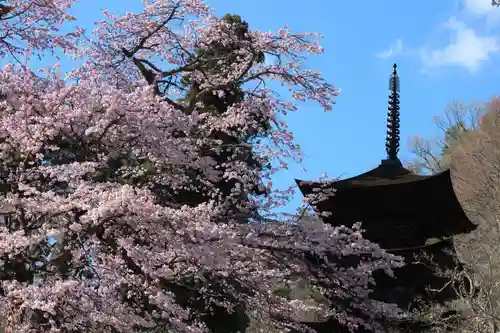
446 50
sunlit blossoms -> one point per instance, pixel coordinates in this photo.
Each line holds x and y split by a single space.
82 160
34 25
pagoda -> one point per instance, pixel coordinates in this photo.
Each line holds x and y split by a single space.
405 213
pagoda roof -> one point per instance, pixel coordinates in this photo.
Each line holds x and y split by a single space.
391 190
387 173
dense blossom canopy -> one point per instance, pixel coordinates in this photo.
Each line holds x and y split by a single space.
79 158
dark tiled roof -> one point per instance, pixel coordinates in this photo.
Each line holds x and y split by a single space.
384 174
391 193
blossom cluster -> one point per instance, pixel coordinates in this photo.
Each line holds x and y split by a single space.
81 160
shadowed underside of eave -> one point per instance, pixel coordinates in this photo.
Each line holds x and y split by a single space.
373 197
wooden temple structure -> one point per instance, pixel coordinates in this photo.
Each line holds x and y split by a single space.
407 214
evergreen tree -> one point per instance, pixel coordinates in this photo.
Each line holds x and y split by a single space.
211 59
5 9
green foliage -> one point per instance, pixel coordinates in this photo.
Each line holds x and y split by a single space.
212 59
209 60
451 136
283 292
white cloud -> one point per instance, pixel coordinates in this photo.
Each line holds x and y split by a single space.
395 49
482 9
479 7
466 49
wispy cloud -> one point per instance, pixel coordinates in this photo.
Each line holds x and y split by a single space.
482 9
478 6
466 48
394 49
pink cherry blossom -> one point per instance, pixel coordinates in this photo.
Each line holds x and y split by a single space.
60 144
33 25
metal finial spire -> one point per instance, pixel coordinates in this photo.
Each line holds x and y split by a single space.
392 139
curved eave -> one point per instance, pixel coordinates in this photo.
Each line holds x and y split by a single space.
368 179
436 191
454 205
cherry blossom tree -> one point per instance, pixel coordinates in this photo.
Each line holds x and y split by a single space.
27 25
82 159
